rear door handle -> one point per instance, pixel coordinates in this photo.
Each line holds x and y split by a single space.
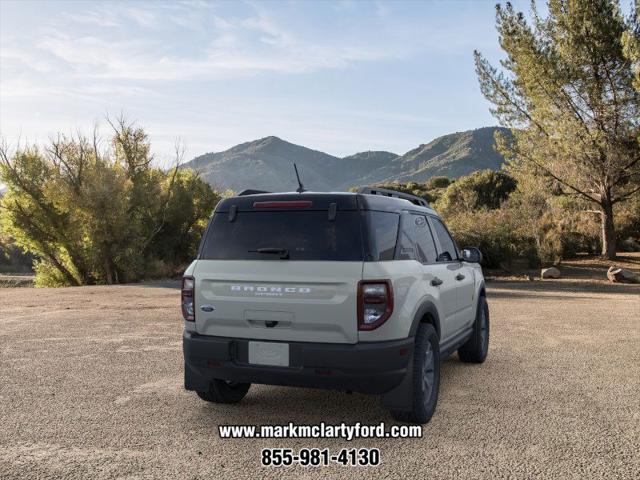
436 282
459 276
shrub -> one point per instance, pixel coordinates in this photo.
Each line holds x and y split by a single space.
47 276
482 189
493 232
435 183
102 217
13 259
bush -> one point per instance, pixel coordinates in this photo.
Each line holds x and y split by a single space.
102 217
482 189
47 276
435 183
13 259
493 232
628 220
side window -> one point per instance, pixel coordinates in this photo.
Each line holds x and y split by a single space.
415 241
426 248
383 228
406 239
447 251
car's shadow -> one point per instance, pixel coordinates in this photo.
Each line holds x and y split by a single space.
281 405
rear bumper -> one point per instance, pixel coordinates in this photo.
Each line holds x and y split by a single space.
375 367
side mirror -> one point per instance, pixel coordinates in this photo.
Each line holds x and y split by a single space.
471 255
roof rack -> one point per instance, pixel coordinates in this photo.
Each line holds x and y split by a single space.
251 192
393 193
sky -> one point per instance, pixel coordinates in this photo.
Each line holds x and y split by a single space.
340 77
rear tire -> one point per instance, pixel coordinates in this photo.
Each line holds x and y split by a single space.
221 391
476 348
426 377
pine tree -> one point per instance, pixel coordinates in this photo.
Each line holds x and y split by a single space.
566 89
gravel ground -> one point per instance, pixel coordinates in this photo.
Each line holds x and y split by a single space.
91 387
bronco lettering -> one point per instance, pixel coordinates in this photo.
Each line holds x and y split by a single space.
269 289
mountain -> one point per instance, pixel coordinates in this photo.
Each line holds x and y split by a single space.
452 156
370 159
267 163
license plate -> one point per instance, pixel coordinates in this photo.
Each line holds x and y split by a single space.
269 353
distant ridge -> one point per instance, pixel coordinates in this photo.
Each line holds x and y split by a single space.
267 163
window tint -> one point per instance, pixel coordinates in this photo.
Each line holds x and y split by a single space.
406 240
426 248
448 251
383 234
416 242
306 235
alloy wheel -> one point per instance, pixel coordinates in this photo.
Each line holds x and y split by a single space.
428 372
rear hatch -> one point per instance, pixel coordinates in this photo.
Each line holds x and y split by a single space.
282 269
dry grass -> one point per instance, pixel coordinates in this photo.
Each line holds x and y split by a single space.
8 280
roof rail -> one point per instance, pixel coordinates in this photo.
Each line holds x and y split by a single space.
251 192
393 193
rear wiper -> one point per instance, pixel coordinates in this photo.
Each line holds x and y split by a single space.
283 252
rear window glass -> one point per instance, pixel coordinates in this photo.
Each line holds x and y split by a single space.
305 235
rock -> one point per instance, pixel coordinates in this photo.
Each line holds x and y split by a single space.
551 272
622 275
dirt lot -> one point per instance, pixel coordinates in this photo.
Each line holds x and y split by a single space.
91 386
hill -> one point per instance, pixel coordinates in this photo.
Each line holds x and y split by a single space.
370 159
452 156
267 163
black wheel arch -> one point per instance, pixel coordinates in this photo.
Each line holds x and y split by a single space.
426 313
483 290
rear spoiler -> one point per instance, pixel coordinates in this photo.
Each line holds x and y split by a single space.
251 192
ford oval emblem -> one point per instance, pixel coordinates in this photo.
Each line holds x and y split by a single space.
207 308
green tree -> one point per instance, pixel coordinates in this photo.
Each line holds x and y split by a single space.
185 218
481 189
12 258
631 41
93 216
567 91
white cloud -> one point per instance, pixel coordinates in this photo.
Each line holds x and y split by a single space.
141 16
69 47
177 63
110 16
245 46
101 17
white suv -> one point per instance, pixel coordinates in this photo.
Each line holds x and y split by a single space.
361 292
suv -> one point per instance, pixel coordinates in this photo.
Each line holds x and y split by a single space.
361 292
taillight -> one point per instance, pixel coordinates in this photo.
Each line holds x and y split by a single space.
375 303
284 204
188 294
